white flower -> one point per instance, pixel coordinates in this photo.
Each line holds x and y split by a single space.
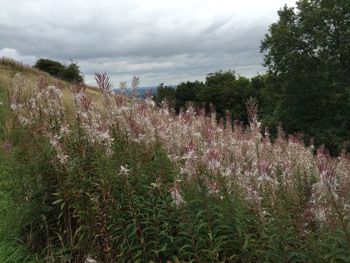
176 196
155 185
62 158
150 102
13 106
124 170
89 259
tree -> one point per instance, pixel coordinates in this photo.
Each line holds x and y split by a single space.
188 92
307 54
165 93
214 93
70 73
54 68
227 92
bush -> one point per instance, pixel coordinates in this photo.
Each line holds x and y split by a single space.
70 73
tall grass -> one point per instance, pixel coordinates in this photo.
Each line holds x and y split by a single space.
12 213
133 182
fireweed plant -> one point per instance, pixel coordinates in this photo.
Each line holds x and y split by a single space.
11 215
122 180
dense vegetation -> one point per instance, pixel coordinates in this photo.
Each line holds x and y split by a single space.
133 182
223 92
113 178
70 73
12 212
307 86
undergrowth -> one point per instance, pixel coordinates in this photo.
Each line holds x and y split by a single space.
12 249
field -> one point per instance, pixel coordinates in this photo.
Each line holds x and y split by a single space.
90 174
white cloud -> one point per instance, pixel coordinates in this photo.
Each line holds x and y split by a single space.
12 53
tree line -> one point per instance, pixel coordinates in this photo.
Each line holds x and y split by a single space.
307 84
306 88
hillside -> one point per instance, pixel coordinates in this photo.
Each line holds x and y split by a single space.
9 68
12 214
118 179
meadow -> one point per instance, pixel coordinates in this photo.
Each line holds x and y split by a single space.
93 175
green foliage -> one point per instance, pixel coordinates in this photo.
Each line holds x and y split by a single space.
215 228
89 207
116 206
70 73
165 93
12 213
306 52
222 91
306 87
228 92
54 68
188 92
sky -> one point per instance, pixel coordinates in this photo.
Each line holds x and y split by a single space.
165 41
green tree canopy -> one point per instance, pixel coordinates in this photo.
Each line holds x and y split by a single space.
307 54
70 73
165 93
54 68
226 91
188 92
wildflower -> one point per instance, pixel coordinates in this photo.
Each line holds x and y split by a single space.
327 169
7 146
54 141
124 170
227 172
13 103
83 101
253 196
89 259
155 185
176 196
64 130
104 83
213 188
62 158
150 102
134 85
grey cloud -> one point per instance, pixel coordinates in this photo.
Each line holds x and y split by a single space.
160 41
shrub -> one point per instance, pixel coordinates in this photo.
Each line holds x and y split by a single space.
54 68
70 73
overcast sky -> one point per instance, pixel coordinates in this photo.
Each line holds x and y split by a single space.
159 40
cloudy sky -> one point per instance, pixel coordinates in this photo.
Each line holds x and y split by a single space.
159 40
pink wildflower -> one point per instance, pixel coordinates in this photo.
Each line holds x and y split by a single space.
176 196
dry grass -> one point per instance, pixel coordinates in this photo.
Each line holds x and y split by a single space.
9 68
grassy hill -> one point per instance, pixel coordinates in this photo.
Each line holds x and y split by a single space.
98 175
11 211
9 68
12 215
